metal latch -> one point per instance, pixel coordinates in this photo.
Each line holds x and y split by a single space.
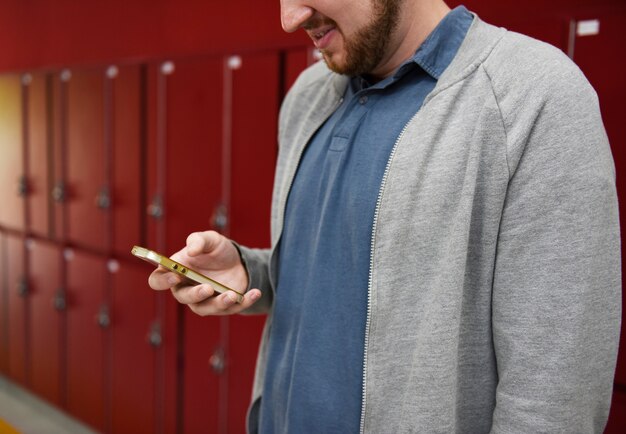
155 209
217 362
104 318
59 192
154 336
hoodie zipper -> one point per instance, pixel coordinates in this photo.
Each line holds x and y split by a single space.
370 277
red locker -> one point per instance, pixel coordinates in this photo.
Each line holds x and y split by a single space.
4 307
87 157
38 129
204 401
551 30
169 364
135 338
88 320
183 172
47 303
184 168
59 191
296 61
184 154
254 148
128 149
617 423
17 308
598 39
12 180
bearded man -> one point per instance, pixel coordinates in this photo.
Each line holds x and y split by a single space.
445 237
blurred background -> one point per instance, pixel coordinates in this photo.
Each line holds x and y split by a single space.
137 122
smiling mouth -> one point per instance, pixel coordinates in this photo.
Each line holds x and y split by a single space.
317 27
320 34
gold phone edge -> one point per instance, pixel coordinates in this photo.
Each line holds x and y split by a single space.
144 253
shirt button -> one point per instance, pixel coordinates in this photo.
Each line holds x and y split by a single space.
363 100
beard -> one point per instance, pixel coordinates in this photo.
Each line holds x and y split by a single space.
367 47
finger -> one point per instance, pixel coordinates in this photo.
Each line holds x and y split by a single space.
161 279
193 294
249 298
226 304
202 242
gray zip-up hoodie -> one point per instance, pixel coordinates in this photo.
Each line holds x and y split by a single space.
494 291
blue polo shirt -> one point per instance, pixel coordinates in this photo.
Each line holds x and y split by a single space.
313 382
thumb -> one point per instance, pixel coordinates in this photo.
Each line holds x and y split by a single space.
202 242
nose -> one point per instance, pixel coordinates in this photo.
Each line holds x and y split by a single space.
293 14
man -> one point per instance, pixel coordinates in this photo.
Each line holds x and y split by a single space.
445 239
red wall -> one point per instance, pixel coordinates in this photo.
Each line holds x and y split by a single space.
45 33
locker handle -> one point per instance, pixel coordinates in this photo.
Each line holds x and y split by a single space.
60 301
154 336
220 217
22 186
217 361
23 287
155 209
104 319
103 199
59 192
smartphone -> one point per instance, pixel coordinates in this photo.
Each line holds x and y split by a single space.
188 273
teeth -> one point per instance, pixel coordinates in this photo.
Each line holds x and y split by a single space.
320 34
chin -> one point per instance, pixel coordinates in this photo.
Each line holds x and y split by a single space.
336 65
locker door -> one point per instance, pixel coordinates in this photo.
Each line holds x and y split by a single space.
39 142
46 304
297 60
4 307
133 350
17 308
596 55
11 153
86 158
254 146
59 195
550 30
185 173
128 150
617 423
184 154
88 318
203 368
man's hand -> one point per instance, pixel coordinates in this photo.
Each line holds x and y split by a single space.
215 256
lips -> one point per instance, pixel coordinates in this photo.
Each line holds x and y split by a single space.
321 36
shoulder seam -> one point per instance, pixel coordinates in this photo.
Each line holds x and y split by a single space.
506 135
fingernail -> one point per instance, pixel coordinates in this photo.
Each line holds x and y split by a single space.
228 300
203 291
172 280
254 296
